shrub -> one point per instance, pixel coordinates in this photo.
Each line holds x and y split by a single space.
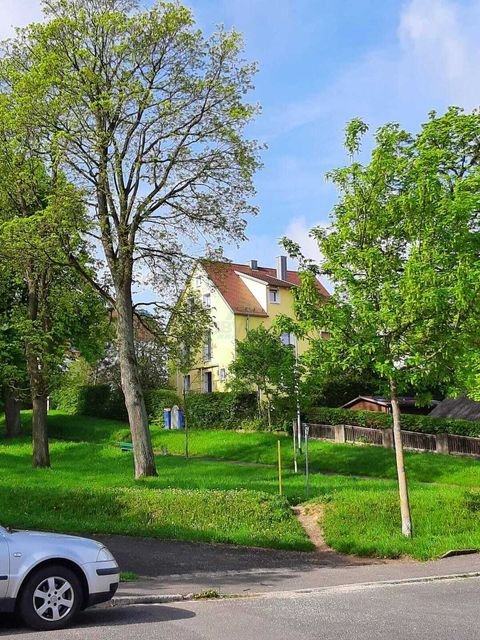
105 401
156 400
409 422
220 410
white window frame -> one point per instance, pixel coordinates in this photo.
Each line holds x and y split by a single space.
207 301
274 293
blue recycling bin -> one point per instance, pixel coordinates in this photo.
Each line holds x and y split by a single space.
167 418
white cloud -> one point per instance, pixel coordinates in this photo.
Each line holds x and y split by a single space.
440 44
298 230
432 63
18 13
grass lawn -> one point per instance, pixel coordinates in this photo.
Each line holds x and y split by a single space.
90 488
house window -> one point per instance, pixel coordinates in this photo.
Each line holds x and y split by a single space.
198 282
206 301
274 295
187 383
207 347
208 382
222 375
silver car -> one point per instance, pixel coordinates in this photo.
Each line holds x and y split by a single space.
47 578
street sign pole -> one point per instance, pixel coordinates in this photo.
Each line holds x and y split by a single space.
307 470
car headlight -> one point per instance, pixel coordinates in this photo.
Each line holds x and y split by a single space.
104 555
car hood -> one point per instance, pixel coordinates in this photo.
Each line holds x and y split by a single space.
52 544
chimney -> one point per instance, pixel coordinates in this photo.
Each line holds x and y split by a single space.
282 268
253 265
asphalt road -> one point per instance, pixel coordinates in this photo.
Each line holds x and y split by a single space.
444 610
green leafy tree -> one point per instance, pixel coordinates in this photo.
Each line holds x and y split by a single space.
12 357
148 116
402 252
263 362
58 307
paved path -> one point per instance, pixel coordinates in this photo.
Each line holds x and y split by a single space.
430 611
183 567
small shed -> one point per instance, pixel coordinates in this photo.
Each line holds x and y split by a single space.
384 405
461 408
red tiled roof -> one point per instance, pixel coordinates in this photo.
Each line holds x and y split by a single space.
238 296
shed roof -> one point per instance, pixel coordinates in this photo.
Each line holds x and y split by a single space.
403 401
462 408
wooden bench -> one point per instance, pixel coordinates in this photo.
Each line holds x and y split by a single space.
125 446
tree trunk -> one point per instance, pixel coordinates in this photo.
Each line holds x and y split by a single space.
12 413
41 455
134 401
36 370
402 477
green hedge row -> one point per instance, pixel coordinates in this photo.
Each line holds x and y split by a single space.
409 422
220 410
104 401
205 410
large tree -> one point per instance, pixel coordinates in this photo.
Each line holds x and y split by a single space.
147 115
402 252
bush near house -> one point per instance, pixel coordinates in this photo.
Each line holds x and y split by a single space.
372 419
218 410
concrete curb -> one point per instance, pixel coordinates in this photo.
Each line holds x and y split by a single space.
371 585
126 601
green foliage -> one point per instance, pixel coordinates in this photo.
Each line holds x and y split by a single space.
101 401
378 420
107 401
402 253
156 400
264 363
220 410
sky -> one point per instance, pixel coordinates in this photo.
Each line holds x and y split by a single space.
321 63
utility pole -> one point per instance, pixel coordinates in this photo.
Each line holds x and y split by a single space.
307 469
297 394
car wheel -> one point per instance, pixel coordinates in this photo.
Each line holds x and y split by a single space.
51 598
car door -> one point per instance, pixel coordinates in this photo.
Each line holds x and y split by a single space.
4 565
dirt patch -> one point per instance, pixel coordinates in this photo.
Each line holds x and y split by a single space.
310 517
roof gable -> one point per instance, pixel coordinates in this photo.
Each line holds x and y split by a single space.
226 277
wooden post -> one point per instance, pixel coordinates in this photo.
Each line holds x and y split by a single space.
402 477
279 456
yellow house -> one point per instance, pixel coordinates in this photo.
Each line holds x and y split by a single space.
240 297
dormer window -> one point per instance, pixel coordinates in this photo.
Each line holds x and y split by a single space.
274 296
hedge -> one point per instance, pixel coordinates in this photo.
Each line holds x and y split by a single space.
409 422
217 410
105 401
220 410
156 400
